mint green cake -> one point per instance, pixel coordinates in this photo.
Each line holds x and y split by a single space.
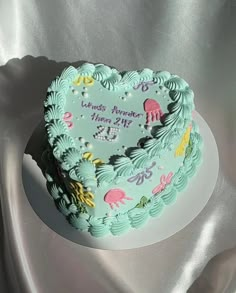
120 146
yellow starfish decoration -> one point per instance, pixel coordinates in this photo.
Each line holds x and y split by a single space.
87 80
184 142
81 195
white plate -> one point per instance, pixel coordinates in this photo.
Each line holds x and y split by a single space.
174 218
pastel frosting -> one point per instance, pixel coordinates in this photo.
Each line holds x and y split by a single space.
120 145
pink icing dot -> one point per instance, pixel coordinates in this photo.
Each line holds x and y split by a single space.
67 116
69 124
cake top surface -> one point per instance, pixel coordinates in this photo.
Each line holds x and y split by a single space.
103 124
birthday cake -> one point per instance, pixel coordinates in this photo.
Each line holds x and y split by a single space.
120 146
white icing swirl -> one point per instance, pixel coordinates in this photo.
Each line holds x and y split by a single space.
53 112
63 208
105 173
62 144
70 158
113 80
87 69
86 170
55 98
101 72
138 217
80 222
59 85
157 207
69 73
120 225
123 166
139 158
145 75
55 129
130 78
153 147
161 76
176 83
55 192
169 195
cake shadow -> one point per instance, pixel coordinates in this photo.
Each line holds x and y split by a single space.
34 182
24 84
45 208
36 145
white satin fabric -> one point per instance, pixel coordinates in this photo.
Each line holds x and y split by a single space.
195 39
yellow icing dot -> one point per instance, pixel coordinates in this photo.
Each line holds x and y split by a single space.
87 156
98 162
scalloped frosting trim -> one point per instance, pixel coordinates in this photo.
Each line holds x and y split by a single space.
179 117
134 218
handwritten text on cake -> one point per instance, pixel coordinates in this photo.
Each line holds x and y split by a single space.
121 120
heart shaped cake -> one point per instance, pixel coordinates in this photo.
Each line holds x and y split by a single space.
120 145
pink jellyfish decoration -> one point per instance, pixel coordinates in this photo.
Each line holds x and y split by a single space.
115 196
153 110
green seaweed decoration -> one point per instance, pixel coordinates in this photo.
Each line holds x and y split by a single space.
189 149
142 203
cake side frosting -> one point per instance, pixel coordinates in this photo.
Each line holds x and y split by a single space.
139 214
